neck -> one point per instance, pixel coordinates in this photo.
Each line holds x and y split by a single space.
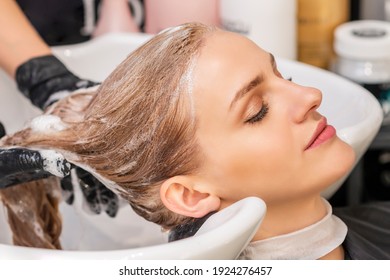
286 217
304 229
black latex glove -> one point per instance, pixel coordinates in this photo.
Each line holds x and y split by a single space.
98 197
2 130
46 79
20 165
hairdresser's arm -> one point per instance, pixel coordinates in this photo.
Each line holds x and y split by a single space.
25 57
41 77
18 39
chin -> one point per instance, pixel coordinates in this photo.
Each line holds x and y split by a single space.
348 155
343 162
334 164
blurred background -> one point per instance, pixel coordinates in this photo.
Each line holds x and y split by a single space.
348 37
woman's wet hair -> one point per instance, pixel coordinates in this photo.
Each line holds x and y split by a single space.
137 129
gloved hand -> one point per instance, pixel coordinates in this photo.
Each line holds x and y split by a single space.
20 165
46 79
2 130
98 198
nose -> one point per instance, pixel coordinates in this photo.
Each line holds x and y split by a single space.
304 101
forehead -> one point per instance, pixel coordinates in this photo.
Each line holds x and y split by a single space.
227 54
227 61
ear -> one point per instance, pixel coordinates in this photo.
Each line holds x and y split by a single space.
185 196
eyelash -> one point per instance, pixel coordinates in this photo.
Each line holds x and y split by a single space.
260 115
263 111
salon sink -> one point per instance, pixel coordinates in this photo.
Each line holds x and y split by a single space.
240 220
351 109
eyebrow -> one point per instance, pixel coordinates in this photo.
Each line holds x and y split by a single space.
251 84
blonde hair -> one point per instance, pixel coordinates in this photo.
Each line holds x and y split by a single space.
138 128
33 216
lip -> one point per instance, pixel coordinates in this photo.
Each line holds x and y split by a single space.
323 133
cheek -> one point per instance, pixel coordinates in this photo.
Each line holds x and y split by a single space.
243 166
250 155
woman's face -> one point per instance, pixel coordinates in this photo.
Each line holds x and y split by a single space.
261 135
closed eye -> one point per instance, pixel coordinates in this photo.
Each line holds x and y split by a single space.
259 115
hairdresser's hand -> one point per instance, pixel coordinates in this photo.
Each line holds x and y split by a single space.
2 130
21 165
97 197
45 80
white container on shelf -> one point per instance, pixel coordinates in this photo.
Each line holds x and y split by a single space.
363 56
270 24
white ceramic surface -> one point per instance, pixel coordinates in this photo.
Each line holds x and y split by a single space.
351 109
240 220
